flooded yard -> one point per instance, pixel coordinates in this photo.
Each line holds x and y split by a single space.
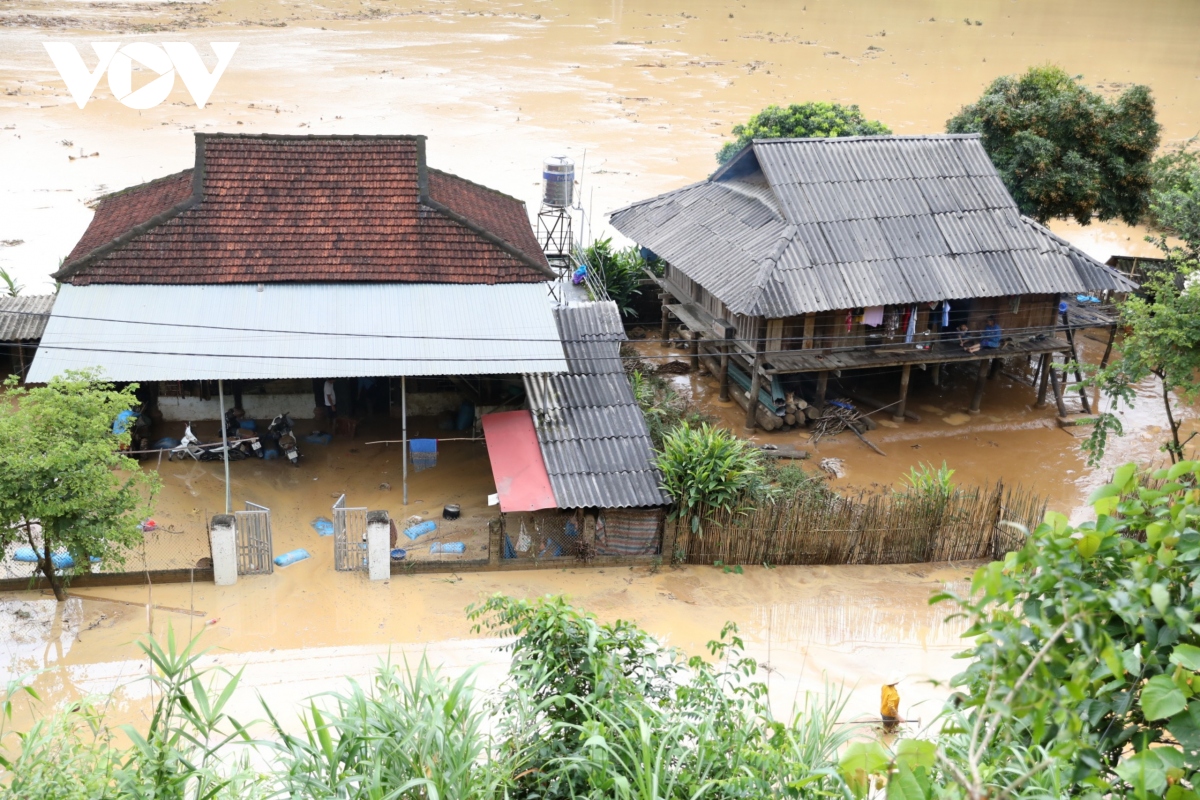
641 95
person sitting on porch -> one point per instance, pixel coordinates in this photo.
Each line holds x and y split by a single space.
965 340
991 334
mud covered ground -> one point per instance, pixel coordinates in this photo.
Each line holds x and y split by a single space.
642 95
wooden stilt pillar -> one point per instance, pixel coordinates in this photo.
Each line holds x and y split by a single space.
994 369
1075 359
728 331
666 318
935 374
1058 394
1043 380
980 385
905 375
755 384
822 386
1112 334
694 352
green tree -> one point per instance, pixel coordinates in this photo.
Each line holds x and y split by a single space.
1175 196
1086 649
620 272
1162 341
64 485
1064 151
802 121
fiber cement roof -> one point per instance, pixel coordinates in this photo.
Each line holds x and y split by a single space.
791 226
22 319
592 433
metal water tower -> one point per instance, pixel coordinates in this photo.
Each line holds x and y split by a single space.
554 218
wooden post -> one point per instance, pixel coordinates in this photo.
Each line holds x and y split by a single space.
20 360
980 384
810 327
755 384
1058 395
694 352
1112 334
905 374
822 385
727 332
994 369
666 318
1043 380
935 374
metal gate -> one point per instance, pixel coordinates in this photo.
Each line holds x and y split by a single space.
349 537
254 550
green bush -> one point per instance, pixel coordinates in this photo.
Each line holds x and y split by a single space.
619 271
707 469
1175 195
801 121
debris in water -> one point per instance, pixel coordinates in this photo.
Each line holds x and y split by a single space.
385 487
834 466
323 526
213 621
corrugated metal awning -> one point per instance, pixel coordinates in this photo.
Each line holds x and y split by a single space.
517 466
22 319
243 331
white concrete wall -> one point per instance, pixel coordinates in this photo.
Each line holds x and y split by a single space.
379 561
256 406
224 550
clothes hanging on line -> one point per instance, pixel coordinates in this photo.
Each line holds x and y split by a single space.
911 326
873 316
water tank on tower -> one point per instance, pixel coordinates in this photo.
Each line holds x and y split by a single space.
558 182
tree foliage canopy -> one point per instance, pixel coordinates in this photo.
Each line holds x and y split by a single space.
61 470
1175 198
1086 643
1162 341
1064 151
801 121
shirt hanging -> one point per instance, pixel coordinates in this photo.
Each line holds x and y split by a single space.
873 316
911 328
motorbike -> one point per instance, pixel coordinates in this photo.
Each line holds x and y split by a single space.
281 426
190 445
244 440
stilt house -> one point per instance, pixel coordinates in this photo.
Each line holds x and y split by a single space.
804 257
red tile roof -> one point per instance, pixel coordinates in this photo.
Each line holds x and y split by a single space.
308 208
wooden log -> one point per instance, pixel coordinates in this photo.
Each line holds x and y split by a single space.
755 384
822 388
877 404
980 385
1044 367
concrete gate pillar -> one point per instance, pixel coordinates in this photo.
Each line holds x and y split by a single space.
223 538
379 561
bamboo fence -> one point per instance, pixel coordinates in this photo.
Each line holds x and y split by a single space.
867 529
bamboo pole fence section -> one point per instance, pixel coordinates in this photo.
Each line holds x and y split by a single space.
968 524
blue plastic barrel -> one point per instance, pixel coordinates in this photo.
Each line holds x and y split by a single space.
60 560
420 529
291 557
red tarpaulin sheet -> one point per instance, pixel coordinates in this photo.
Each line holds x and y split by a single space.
521 478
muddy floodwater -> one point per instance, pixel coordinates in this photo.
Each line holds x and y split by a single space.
641 95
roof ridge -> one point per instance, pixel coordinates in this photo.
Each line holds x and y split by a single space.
770 263
889 137
324 136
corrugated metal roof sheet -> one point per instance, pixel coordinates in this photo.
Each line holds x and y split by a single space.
867 221
592 433
282 330
22 319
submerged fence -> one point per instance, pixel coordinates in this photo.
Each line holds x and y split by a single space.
867 529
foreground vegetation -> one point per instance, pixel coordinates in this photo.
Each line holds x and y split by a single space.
1080 678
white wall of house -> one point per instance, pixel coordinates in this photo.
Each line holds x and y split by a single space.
256 406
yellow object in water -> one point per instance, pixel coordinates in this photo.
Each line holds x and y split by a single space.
889 706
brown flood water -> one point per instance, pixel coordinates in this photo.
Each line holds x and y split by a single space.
648 91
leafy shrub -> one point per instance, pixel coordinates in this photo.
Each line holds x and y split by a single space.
802 121
708 468
1175 196
619 271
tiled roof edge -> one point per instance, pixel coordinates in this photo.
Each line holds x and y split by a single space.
496 192
656 197
447 212
888 137
136 186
